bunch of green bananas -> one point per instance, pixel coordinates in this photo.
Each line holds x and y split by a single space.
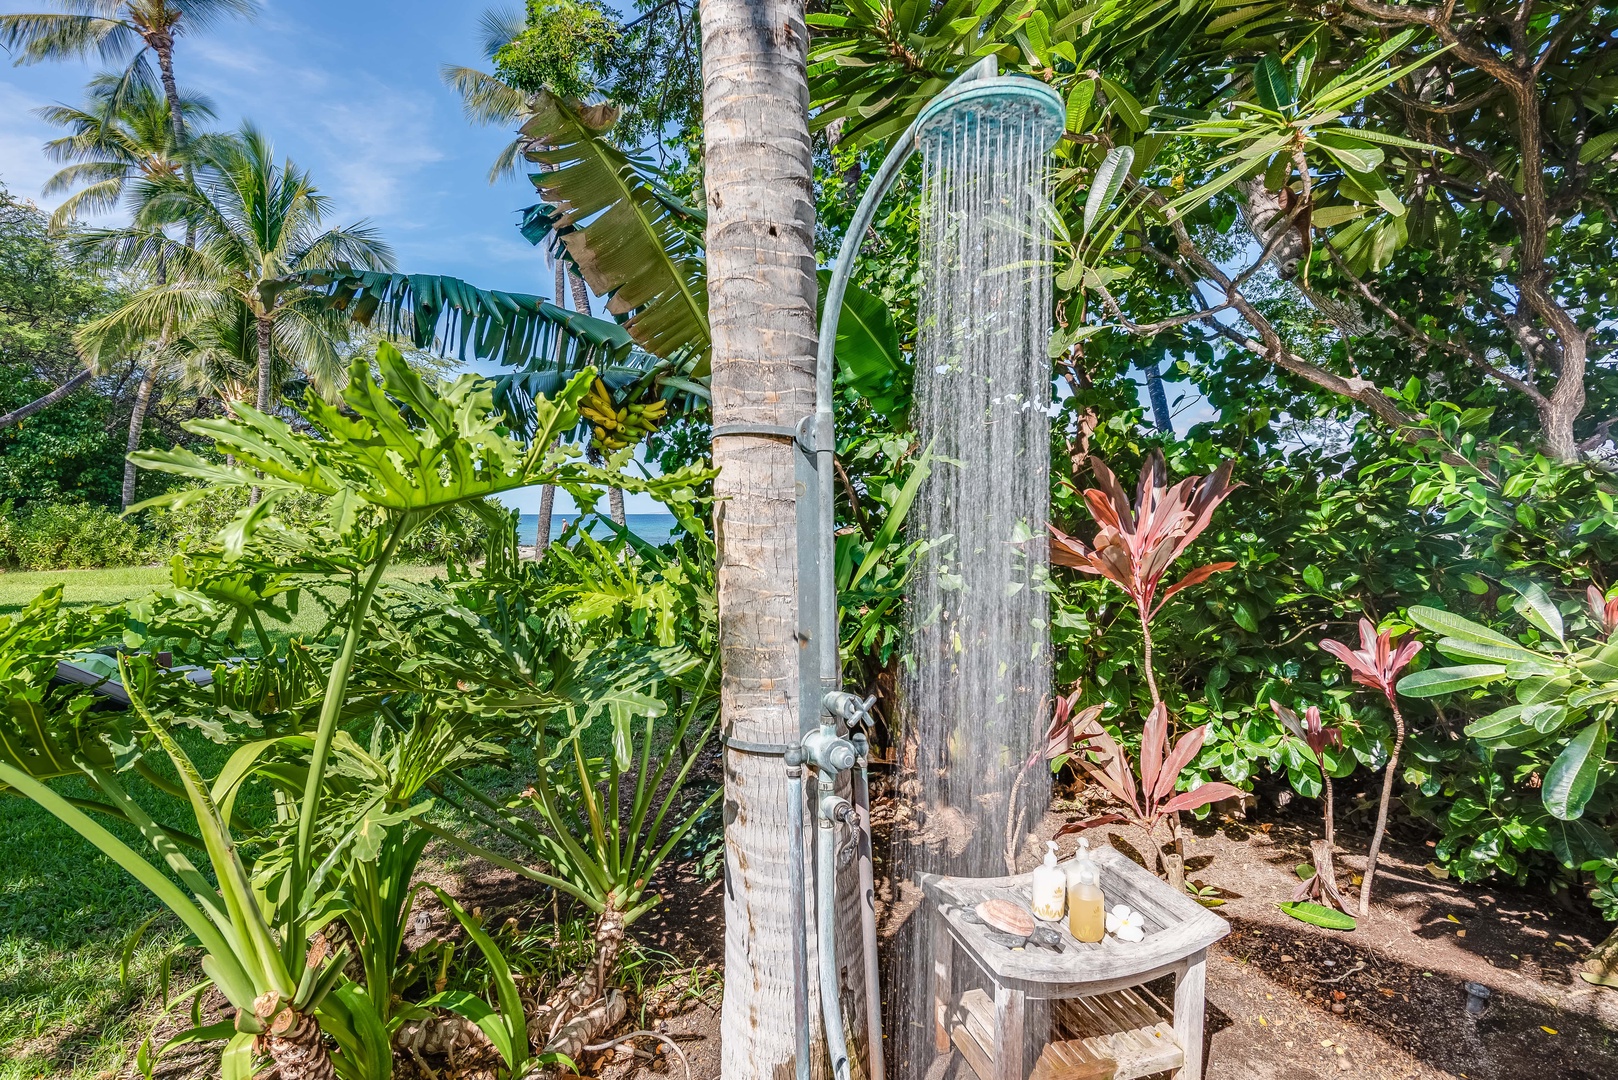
614 427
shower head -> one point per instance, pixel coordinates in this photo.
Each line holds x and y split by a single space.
984 101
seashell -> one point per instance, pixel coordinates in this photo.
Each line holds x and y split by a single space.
1007 916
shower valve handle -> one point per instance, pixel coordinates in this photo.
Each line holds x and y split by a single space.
850 708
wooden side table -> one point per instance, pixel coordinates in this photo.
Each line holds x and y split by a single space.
1112 1028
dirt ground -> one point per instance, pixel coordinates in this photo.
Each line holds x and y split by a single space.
1286 1001
1289 1001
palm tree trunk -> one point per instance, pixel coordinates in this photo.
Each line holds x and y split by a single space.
581 304
163 46
23 412
264 365
137 422
581 291
547 503
264 392
761 290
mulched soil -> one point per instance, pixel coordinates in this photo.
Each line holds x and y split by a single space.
1290 1001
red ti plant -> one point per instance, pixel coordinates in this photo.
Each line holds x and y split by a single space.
1134 548
1604 610
1153 799
1066 723
1377 664
1317 736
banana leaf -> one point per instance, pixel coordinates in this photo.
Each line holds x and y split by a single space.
641 248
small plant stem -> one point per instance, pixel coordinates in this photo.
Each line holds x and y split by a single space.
1331 829
1146 654
1382 810
330 710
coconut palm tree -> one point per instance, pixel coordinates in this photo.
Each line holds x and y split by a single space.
761 305
257 225
117 30
119 136
487 99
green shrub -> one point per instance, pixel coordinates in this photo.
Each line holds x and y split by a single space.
69 536
72 535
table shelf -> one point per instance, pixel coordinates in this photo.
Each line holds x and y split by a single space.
1118 1036
1104 1024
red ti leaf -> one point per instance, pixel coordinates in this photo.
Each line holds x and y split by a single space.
1202 796
1184 752
1195 577
1089 823
1153 742
1376 663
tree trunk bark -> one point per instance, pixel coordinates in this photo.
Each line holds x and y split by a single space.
542 535
164 48
264 401
761 290
615 506
264 391
18 415
581 291
137 422
1161 418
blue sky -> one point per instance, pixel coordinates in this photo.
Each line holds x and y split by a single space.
349 89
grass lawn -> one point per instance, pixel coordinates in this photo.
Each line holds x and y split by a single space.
83 588
66 911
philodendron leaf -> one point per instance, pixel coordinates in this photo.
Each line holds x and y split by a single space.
1571 779
1318 915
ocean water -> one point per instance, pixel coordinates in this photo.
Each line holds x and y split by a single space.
652 528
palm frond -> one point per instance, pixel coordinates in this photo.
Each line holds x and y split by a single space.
513 329
149 315
484 98
203 14
34 38
499 27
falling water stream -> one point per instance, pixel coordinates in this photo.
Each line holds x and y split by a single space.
976 682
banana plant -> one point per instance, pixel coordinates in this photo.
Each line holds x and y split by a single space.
641 248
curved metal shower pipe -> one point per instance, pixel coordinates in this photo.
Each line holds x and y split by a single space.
816 528
830 721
